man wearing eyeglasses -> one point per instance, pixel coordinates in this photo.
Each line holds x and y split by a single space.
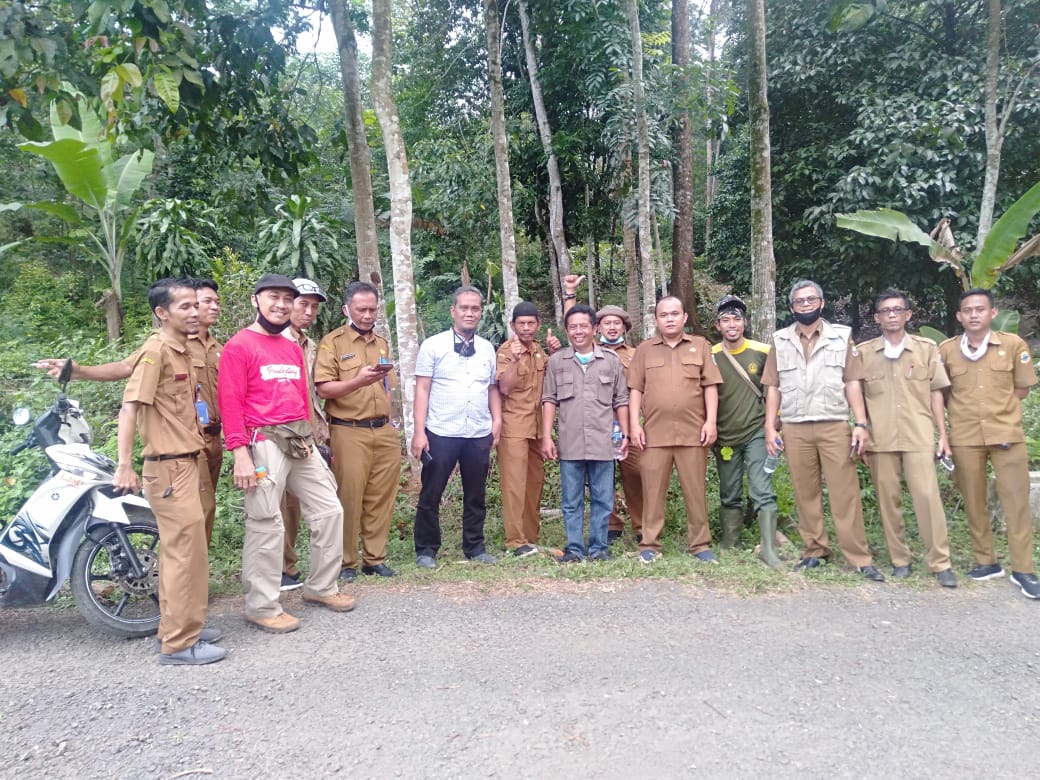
808 385
991 372
458 418
903 379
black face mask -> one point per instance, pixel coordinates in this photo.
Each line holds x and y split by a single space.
463 347
362 332
808 317
269 326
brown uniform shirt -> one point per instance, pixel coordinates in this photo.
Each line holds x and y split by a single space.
982 408
206 353
898 392
624 350
672 381
522 408
341 356
163 383
771 378
310 354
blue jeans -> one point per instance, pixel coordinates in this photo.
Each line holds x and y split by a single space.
600 476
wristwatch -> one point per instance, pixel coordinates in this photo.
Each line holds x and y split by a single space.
865 426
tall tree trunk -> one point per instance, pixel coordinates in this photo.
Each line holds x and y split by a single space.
506 234
633 292
763 264
711 150
682 183
400 206
369 268
590 251
994 138
646 252
556 235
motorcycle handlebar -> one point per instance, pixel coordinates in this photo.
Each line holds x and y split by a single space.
24 445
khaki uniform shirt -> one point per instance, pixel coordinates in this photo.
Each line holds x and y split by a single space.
898 392
310 350
585 401
982 408
206 353
522 408
341 356
672 381
163 383
624 350
811 372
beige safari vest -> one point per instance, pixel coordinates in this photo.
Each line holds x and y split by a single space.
812 390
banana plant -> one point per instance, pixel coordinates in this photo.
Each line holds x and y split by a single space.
1002 249
299 239
102 188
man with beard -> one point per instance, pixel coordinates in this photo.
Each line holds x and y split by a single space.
612 327
458 417
354 374
808 384
265 400
741 446
159 397
585 385
990 373
903 381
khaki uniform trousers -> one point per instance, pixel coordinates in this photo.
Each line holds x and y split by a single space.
291 522
691 463
367 462
888 469
810 446
632 485
521 477
311 481
211 459
183 557
1011 468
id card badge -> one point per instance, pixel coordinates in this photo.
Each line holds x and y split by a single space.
202 410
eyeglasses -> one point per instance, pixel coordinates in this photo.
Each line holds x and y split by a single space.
892 310
809 300
463 348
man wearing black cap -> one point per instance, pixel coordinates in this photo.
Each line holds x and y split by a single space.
265 401
741 446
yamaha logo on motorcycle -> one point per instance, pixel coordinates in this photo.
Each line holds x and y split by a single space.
76 528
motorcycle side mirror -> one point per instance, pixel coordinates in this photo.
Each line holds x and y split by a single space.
21 415
66 373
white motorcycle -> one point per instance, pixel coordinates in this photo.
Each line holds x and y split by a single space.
76 527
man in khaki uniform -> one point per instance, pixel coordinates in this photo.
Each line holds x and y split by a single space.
520 368
612 327
807 383
354 374
990 373
305 309
903 379
158 397
672 382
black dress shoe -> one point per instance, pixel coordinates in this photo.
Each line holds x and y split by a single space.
613 536
946 578
380 568
871 573
809 562
348 574
901 572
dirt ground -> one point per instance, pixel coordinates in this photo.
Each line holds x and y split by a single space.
545 680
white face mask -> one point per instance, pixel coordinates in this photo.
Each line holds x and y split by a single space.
977 354
893 351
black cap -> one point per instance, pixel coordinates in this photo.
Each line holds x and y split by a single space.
730 304
275 282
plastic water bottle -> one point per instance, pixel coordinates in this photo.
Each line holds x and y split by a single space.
772 462
617 438
261 475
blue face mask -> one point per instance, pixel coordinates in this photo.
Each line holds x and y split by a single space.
584 359
614 343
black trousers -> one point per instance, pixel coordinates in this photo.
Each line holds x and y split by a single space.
473 457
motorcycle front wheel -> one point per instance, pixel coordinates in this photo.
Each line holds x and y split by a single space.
105 589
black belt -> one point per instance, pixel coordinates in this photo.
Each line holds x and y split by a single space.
211 430
375 422
181 456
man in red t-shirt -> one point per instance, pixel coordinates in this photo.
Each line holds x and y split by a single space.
263 385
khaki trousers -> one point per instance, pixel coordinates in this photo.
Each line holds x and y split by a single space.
811 447
691 463
632 485
291 523
211 459
367 462
1011 468
312 482
888 469
521 476
183 558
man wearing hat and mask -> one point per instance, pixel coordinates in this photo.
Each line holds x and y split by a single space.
305 309
613 325
264 399
741 445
